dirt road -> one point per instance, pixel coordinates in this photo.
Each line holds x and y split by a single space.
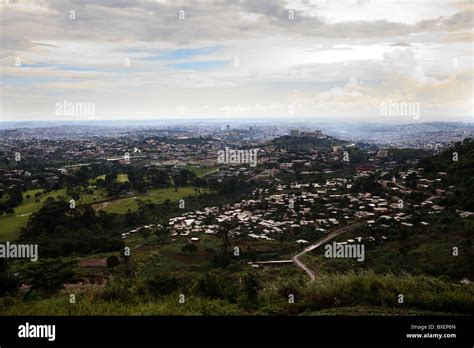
328 237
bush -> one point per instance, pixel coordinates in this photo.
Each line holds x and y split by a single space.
190 247
8 282
117 290
113 261
49 275
370 289
163 284
217 286
290 286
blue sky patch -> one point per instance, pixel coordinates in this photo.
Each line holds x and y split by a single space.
183 54
201 65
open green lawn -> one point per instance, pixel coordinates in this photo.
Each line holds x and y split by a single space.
157 196
10 224
201 171
120 178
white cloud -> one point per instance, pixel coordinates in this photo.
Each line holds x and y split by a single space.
342 57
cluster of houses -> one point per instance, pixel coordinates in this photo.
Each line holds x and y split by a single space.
290 208
136 230
287 208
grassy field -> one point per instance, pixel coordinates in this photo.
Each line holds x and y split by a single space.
157 196
200 171
10 224
169 257
120 178
91 304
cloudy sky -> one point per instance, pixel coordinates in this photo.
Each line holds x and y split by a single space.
339 59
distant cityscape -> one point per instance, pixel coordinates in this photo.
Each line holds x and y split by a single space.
236 172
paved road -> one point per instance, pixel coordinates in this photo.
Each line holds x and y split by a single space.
334 234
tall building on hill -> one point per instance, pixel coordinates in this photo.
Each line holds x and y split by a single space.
316 133
295 133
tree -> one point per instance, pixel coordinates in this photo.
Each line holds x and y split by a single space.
158 178
190 247
410 181
15 197
175 184
51 214
163 284
224 233
49 276
210 220
162 234
297 167
145 232
216 284
113 261
8 282
213 185
250 285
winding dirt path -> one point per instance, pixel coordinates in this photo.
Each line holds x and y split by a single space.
332 235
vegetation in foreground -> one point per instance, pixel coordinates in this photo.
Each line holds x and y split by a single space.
247 293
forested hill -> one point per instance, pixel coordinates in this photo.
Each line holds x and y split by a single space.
458 164
307 143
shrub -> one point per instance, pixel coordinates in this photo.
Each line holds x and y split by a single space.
164 284
113 261
117 290
370 289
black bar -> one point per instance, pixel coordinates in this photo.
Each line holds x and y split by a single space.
134 331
